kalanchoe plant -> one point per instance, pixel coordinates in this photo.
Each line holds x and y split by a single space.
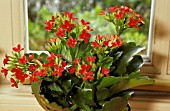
81 74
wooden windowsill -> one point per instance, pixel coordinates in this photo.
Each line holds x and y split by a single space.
21 99
159 85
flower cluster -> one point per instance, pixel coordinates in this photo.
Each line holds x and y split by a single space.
122 17
70 50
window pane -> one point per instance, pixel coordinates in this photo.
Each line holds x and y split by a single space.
40 10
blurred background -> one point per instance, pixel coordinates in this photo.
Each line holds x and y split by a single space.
41 10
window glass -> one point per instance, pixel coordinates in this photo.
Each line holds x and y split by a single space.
41 10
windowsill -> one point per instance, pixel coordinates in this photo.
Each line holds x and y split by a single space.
17 99
21 99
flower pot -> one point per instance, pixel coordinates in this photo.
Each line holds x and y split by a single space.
43 101
53 106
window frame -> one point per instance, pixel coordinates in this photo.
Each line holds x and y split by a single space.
147 57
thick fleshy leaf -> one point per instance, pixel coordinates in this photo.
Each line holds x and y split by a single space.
115 104
105 62
108 81
130 83
44 56
102 94
126 95
129 50
55 89
134 75
80 100
66 85
135 64
117 55
83 50
66 54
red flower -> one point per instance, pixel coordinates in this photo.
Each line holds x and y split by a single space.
102 12
60 32
76 61
99 37
13 83
106 42
67 25
5 71
5 61
58 70
119 42
42 72
105 71
133 23
95 44
23 77
32 68
49 25
114 44
119 15
140 18
88 75
18 48
23 60
19 74
31 56
51 57
53 39
72 70
52 19
71 42
88 28
85 68
63 63
113 9
91 59
70 15
126 9
33 77
85 36
84 22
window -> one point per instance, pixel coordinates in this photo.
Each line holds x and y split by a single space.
159 67
40 10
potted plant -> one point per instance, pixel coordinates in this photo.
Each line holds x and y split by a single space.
80 73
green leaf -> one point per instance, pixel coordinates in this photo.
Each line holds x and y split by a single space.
66 54
134 75
66 85
55 88
129 50
80 100
130 83
115 104
105 62
117 55
73 35
126 95
144 80
102 94
83 50
108 81
135 64
44 57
